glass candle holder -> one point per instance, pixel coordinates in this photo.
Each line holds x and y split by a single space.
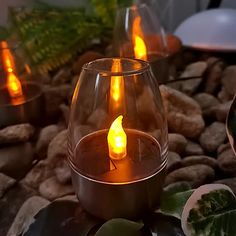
139 34
117 138
21 99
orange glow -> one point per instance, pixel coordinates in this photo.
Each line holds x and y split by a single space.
8 61
116 88
117 140
140 49
14 85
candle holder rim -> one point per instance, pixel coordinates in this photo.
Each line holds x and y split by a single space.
73 167
144 67
27 100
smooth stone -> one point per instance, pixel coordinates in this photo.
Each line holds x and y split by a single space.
6 182
16 160
52 189
63 218
25 216
223 96
195 69
85 58
16 134
63 172
221 111
177 142
213 136
57 148
197 175
201 159
45 137
39 173
10 205
173 161
231 182
193 148
213 80
223 147
62 76
54 97
206 102
184 115
228 80
98 118
65 110
70 197
227 162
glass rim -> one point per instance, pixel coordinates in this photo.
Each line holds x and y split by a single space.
144 66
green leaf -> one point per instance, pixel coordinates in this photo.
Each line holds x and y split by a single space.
118 227
3 33
210 211
174 198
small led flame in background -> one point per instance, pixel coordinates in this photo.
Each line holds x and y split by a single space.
13 83
116 89
117 140
140 49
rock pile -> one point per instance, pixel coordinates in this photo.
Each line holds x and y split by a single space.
33 160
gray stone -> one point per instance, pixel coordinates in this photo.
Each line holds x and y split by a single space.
206 102
228 80
16 160
11 203
98 118
223 96
57 148
213 80
174 161
196 175
223 147
221 111
192 70
45 137
184 115
201 159
40 172
231 182
63 172
85 58
65 110
213 136
227 162
62 76
16 133
177 142
54 96
52 189
25 215
6 182
193 148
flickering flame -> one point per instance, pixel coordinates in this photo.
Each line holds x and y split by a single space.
14 85
117 140
8 61
140 49
117 82
116 89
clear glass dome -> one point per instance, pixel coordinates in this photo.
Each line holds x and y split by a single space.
138 34
125 91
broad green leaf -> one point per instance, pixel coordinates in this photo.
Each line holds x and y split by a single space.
118 227
174 198
210 211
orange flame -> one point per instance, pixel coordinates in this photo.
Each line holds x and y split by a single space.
117 140
116 87
13 83
140 49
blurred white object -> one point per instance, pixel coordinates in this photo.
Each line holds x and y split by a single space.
213 30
